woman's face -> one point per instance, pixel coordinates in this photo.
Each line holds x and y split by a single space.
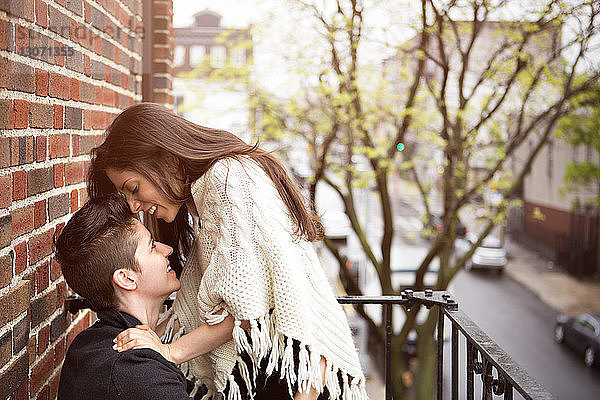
142 195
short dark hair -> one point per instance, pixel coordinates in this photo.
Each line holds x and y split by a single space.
98 240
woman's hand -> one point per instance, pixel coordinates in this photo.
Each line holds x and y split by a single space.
141 337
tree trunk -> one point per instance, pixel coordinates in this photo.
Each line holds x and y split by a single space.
427 355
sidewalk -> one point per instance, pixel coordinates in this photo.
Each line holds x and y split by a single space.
555 287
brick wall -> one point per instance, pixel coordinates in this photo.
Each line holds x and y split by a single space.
158 66
53 109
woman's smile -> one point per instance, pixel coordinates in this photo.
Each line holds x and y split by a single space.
143 195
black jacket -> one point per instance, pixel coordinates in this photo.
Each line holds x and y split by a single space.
93 370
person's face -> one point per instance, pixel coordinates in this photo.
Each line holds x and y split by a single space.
142 195
157 279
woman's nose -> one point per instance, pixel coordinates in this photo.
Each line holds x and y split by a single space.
134 205
166 249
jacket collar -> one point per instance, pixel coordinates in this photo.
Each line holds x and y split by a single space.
119 319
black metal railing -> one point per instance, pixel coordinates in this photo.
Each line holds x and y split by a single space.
499 374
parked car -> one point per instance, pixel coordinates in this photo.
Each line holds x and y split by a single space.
582 334
489 255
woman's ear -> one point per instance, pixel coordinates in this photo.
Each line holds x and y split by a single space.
126 279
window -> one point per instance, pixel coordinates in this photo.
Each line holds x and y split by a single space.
179 56
238 57
196 55
218 56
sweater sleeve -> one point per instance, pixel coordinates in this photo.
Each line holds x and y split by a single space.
235 197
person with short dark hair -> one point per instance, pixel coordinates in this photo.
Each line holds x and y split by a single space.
109 257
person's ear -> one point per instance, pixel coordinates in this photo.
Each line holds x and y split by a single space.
125 279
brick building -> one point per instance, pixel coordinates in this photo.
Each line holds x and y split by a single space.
67 67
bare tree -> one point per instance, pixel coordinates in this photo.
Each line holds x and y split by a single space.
482 83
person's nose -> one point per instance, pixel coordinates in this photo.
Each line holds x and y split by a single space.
134 205
165 249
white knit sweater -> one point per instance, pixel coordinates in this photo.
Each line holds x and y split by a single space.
246 261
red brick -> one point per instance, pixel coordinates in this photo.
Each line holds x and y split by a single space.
59 352
59 85
13 378
74 89
98 120
22 393
59 145
20 114
43 339
73 173
98 45
41 115
75 145
42 277
87 12
58 116
87 65
6 271
20 257
39 213
14 151
5 149
74 200
59 175
59 59
55 271
4 34
61 294
40 246
41 13
19 187
41 82
14 302
74 30
83 195
98 95
41 372
21 36
5 106
87 119
31 348
5 191
22 220
40 148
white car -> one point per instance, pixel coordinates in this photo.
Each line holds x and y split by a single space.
489 255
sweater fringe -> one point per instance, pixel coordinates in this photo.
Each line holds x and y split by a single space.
301 372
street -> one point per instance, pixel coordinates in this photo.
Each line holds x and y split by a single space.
522 325
518 321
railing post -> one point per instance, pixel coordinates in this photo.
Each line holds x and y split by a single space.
388 351
454 362
470 371
440 357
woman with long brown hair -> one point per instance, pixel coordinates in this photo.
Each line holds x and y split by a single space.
242 237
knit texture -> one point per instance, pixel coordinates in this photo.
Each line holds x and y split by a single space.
246 261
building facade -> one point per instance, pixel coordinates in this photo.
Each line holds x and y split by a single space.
206 54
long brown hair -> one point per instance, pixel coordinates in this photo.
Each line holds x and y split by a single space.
172 152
